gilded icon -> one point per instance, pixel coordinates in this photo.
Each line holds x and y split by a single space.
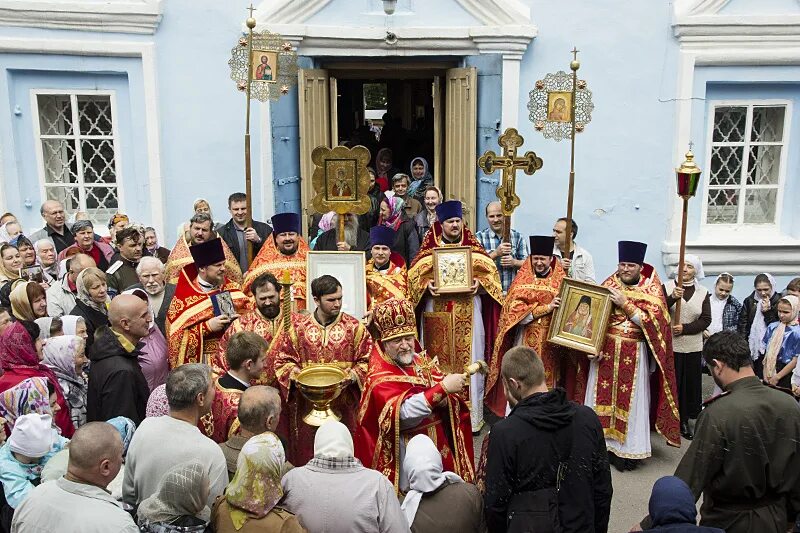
581 320
265 65
452 269
559 106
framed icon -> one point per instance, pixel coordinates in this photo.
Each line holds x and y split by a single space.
580 322
32 273
452 269
265 65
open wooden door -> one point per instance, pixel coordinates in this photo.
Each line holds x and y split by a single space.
438 163
315 129
461 123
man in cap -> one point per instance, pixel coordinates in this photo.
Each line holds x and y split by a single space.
457 327
406 394
85 243
387 276
525 320
201 229
193 330
285 252
637 344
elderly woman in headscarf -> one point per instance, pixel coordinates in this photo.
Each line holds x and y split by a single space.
325 224
392 215
74 325
421 178
687 338
782 341
179 504
438 501
66 356
758 311
250 503
28 301
92 302
28 396
19 357
335 493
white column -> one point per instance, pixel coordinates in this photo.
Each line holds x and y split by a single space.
510 84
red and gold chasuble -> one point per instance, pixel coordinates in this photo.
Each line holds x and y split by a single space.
459 307
256 322
617 373
389 283
270 259
180 256
346 344
222 422
528 294
188 338
377 439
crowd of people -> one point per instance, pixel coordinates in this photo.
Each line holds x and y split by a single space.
157 390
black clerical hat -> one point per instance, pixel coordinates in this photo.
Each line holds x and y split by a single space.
632 252
285 223
542 244
449 209
207 253
382 236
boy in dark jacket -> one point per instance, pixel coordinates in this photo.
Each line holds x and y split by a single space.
672 508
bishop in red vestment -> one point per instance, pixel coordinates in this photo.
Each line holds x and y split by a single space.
406 394
193 330
325 337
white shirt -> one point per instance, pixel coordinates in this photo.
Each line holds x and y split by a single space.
717 308
582 266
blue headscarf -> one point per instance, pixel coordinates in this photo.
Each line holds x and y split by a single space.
126 427
672 502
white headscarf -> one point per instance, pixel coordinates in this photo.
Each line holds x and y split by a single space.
759 326
44 326
69 324
423 464
182 492
333 439
698 268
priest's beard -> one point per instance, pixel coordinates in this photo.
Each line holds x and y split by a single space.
270 310
404 357
351 232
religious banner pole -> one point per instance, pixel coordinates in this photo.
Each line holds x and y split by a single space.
248 169
574 66
688 177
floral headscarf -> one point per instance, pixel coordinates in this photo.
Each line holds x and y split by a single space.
256 487
183 491
27 396
83 292
396 205
157 404
126 428
18 350
59 354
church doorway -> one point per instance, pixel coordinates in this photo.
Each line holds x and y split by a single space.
416 108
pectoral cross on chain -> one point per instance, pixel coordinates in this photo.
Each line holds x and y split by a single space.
509 163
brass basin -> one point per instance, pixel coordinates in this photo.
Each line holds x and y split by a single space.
321 385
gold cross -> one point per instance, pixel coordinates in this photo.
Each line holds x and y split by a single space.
575 53
509 163
251 9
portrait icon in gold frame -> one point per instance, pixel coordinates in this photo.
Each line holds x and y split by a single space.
452 269
559 106
580 322
265 65
341 184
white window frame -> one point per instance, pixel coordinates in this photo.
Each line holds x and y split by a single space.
73 94
741 229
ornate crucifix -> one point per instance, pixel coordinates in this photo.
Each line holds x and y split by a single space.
509 163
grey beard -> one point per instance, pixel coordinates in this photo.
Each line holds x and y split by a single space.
351 233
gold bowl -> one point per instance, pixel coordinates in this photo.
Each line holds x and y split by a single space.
321 385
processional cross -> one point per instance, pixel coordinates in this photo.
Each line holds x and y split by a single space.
509 163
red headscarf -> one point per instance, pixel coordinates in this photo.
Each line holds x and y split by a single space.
18 350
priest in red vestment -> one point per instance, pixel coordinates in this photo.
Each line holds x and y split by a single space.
406 394
266 320
634 375
193 329
245 357
325 337
459 328
201 229
527 313
285 251
387 276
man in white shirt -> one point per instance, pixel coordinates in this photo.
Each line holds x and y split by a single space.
79 501
577 261
164 441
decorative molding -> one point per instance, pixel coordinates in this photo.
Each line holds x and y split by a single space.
777 258
131 16
143 50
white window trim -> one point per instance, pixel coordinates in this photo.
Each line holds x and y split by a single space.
743 232
112 94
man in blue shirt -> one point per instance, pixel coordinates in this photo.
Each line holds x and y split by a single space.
507 256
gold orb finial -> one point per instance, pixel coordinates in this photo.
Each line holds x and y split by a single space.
250 22
574 65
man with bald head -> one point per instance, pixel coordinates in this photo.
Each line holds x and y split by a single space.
508 256
56 228
259 412
117 386
62 296
79 501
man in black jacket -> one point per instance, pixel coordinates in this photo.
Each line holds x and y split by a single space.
355 238
547 467
117 386
236 234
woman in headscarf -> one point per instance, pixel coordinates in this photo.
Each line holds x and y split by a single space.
19 358
250 501
687 339
74 325
325 224
421 178
392 215
92 302
28 396
28 301
10 263
179 504
758 311
157 404
673 509
438 501
66 356
10 231
782 340
425 219
49 327
384 169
